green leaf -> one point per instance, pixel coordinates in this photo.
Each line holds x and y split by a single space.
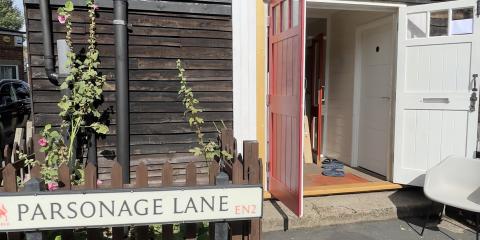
64 85
95 56
64 105
100 128
55 134
196 151
69 6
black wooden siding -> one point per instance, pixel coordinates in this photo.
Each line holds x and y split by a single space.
201 37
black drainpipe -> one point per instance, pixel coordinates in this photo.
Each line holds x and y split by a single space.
47 42
120 8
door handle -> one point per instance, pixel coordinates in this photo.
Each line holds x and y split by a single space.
473 97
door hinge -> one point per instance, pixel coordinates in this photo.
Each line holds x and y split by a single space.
268 174
478 8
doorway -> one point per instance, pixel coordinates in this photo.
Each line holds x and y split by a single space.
436 108
355 77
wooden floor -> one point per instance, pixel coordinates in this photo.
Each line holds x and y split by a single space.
315 184
355 181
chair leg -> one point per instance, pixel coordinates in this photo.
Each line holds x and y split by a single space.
427 218
477 224
442 212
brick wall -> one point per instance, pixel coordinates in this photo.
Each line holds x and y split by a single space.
11 54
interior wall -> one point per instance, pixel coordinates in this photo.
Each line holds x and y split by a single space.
341 81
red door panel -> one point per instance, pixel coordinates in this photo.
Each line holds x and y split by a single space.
286 43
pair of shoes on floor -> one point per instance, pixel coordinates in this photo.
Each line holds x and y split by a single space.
333 168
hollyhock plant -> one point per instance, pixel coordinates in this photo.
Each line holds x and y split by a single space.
78 110
42 142
99 182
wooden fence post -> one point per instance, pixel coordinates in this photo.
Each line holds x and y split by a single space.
7 152
191 181
35 185
30 147
237 178
253 175
228 144
65 184
221 228
35 172
14 155
118 233
91 183
141 181
22 148
213 170
167 181
10 185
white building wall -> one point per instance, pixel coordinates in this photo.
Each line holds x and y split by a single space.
244 70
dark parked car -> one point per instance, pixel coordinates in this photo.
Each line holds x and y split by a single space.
15 108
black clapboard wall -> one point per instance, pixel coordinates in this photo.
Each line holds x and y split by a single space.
198 32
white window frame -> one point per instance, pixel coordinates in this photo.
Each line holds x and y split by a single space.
16 69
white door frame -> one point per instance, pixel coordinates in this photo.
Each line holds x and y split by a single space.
354 5
358 84
244 70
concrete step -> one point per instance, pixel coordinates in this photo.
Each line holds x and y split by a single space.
344 209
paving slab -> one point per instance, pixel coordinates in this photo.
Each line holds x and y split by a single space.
348 208
395 229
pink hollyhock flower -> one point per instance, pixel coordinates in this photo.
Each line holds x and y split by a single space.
95 6
52 186
62 19
42 142
99 182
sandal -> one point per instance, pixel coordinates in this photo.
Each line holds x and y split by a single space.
333 166
332 162
333 173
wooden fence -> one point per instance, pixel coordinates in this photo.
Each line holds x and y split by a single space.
241 170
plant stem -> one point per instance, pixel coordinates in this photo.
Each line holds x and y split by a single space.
73 136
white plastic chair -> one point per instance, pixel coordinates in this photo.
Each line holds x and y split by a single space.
455 182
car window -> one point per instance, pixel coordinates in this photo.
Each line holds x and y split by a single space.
6 94
21 91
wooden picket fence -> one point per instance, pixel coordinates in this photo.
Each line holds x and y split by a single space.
244 169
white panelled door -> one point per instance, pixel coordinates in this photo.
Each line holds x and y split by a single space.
438 54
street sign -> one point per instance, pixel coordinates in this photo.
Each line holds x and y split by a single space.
97 208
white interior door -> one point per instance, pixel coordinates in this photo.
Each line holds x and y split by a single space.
438 53
376 96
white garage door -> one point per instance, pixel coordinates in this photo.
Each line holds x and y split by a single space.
438 56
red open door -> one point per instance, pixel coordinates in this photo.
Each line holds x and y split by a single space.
286 67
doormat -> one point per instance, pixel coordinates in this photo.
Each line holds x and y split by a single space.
321 180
